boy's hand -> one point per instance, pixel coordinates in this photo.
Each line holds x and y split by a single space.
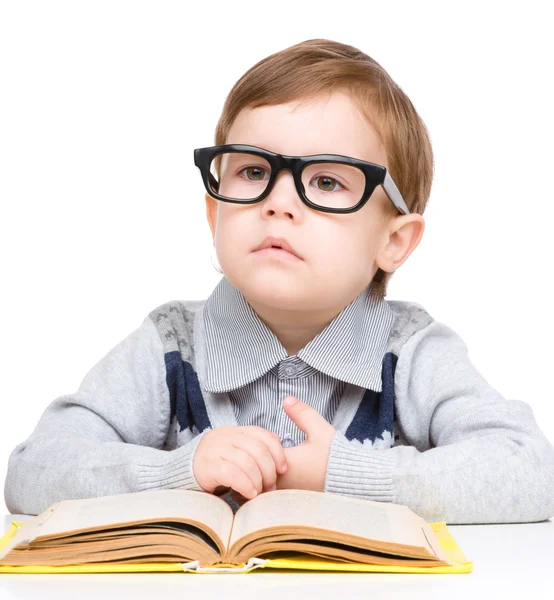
246 459
307 462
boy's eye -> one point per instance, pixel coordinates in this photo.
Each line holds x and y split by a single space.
253 173
328 183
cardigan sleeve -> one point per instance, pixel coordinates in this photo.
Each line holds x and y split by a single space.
472 456
107 437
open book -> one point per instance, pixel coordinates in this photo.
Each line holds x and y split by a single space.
198 531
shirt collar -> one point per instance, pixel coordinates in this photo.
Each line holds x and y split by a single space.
240 348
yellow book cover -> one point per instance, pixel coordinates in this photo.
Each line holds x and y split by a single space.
171 531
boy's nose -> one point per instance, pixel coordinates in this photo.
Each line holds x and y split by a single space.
284 185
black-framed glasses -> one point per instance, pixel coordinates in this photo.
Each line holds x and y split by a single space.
333 183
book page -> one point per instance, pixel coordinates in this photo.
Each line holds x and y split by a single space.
381 521
153 506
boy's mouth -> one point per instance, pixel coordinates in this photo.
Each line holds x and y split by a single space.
278 253
277 244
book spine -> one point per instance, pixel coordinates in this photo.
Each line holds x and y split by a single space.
253 563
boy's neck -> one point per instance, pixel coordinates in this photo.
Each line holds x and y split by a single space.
293 330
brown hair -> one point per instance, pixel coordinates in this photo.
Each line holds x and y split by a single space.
314 67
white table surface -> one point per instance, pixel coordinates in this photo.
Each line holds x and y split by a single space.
510 561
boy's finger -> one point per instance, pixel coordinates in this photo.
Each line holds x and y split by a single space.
260 452
231 475
274 445
247 463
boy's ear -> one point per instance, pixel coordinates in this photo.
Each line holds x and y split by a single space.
211 212
400 240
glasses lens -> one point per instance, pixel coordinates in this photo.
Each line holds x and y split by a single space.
242 176
333 185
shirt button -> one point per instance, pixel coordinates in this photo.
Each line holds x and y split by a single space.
287 441
290 371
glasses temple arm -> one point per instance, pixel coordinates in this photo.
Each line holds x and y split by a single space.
394 194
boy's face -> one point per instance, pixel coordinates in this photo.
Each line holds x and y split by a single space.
340 252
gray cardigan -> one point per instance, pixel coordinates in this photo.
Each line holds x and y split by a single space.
416 423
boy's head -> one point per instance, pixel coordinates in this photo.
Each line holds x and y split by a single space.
321 97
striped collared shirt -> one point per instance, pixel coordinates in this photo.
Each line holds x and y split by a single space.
246 360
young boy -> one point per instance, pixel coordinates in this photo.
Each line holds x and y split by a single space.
388 405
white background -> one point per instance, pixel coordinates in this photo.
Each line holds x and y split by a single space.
102 209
